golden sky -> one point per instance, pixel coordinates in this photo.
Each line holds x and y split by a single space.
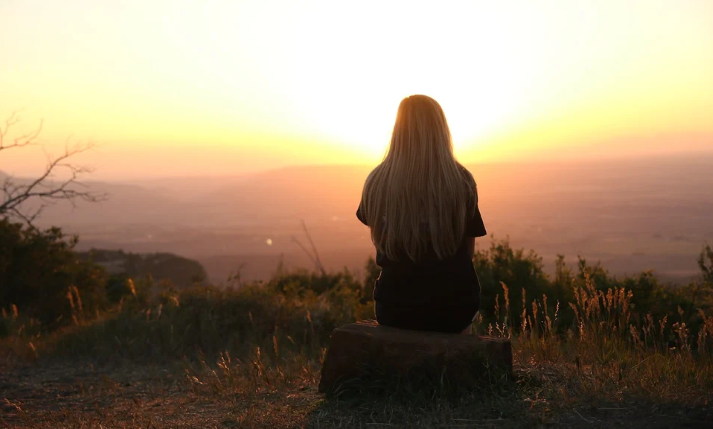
226 87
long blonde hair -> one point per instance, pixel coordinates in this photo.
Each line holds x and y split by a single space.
417 198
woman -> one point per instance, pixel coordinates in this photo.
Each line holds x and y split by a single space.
422 209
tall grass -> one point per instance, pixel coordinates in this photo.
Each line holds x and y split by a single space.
609 353
234 343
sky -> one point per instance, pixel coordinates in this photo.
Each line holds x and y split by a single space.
181 88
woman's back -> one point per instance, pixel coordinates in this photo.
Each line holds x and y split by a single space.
422 208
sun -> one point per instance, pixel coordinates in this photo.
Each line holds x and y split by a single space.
348 88
362 118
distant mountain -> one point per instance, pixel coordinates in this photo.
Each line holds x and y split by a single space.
181 272
125 204
290 193
188 188
632 214
287 193
325 192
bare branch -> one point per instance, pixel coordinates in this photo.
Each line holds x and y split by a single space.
309 255
9 122
314 248
20 141
15 192
314 255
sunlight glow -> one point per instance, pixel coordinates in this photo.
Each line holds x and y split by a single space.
260 84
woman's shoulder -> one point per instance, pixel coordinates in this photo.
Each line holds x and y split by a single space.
467 177
374 171
470 188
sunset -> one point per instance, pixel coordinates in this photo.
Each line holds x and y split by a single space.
221 87
366 214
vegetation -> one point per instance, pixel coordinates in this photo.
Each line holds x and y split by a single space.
42 277
501 266
180 272
60 180
589 348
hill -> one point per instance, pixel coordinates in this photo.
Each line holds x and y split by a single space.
181 272
632 214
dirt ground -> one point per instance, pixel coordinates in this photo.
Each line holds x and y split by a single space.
80 395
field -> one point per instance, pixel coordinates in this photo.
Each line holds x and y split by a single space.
251 356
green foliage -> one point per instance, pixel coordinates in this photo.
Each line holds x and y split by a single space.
609 342
301 282
501 264
523 276
46 285
42 276
50 285
209 320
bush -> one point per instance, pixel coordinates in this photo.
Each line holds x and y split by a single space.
206 320
501 264
42 276
504 271
46 286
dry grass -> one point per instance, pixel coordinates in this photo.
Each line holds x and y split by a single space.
197 363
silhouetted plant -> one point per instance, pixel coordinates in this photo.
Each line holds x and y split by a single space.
523 272
25 199
42 275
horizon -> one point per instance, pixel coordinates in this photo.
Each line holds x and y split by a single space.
693 156
632 214
243 87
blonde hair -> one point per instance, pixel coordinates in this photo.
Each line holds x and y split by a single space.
417 198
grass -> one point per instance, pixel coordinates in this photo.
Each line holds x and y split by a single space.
251 357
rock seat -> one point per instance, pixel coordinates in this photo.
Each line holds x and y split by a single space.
359 349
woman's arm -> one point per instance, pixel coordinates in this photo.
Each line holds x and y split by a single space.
470 246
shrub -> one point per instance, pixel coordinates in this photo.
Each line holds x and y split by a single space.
42 276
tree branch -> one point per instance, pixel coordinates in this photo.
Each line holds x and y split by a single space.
20 141
15 192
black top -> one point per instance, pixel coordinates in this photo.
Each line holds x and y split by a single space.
432 282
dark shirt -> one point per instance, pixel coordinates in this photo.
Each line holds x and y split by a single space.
431 282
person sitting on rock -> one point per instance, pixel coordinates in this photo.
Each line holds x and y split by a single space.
421 206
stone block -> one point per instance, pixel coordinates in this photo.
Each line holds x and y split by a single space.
361 349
